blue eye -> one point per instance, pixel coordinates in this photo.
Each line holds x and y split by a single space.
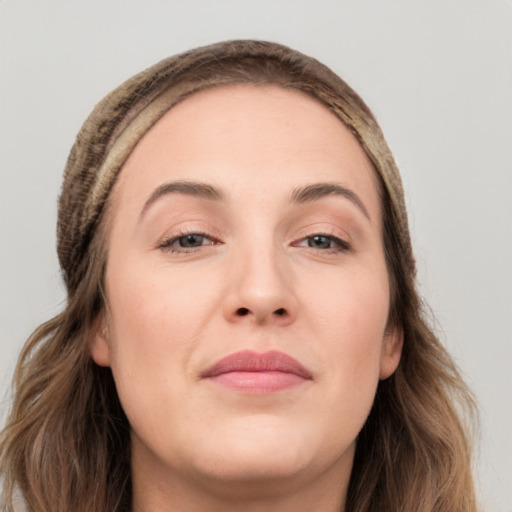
320 242
324 243
185 242
192 240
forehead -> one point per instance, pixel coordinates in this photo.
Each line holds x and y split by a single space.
258 137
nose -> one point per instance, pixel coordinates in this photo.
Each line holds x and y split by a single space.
261 290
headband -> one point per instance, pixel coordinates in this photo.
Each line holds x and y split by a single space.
122 118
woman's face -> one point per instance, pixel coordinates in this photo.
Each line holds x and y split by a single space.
248 294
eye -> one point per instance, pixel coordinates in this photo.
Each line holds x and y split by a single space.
324 243
192 240
186 242
320 242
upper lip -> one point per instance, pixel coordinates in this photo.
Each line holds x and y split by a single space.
249 361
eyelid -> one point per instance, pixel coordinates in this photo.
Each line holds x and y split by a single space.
342 244
166 243
323 226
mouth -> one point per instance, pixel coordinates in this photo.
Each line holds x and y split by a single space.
257 373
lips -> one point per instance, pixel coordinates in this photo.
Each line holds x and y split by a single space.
257 373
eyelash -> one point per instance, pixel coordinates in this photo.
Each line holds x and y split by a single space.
340 245
167 244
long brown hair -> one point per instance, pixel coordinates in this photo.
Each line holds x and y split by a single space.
66 446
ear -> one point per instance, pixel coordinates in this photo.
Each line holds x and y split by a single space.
391 351
100 346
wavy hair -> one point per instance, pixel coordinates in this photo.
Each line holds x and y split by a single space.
66 444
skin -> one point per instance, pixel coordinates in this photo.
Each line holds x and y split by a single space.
257 280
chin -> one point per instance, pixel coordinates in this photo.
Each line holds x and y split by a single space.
263 450
262 474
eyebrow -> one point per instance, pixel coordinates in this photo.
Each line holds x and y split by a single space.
188 188
301 195
317 191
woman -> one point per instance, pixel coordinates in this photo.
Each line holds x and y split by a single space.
243 330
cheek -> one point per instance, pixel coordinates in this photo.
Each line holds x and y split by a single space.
156 318
345 319
151 331
150 304
350 301
350 316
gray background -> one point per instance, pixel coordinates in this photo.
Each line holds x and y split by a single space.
437 74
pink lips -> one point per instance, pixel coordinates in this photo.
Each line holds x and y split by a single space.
257 373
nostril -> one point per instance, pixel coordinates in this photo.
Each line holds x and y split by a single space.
247 311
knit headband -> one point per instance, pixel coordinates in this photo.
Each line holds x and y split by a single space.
121 119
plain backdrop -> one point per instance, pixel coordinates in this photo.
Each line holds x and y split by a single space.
438 76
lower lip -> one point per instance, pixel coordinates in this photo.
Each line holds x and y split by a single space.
258 383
